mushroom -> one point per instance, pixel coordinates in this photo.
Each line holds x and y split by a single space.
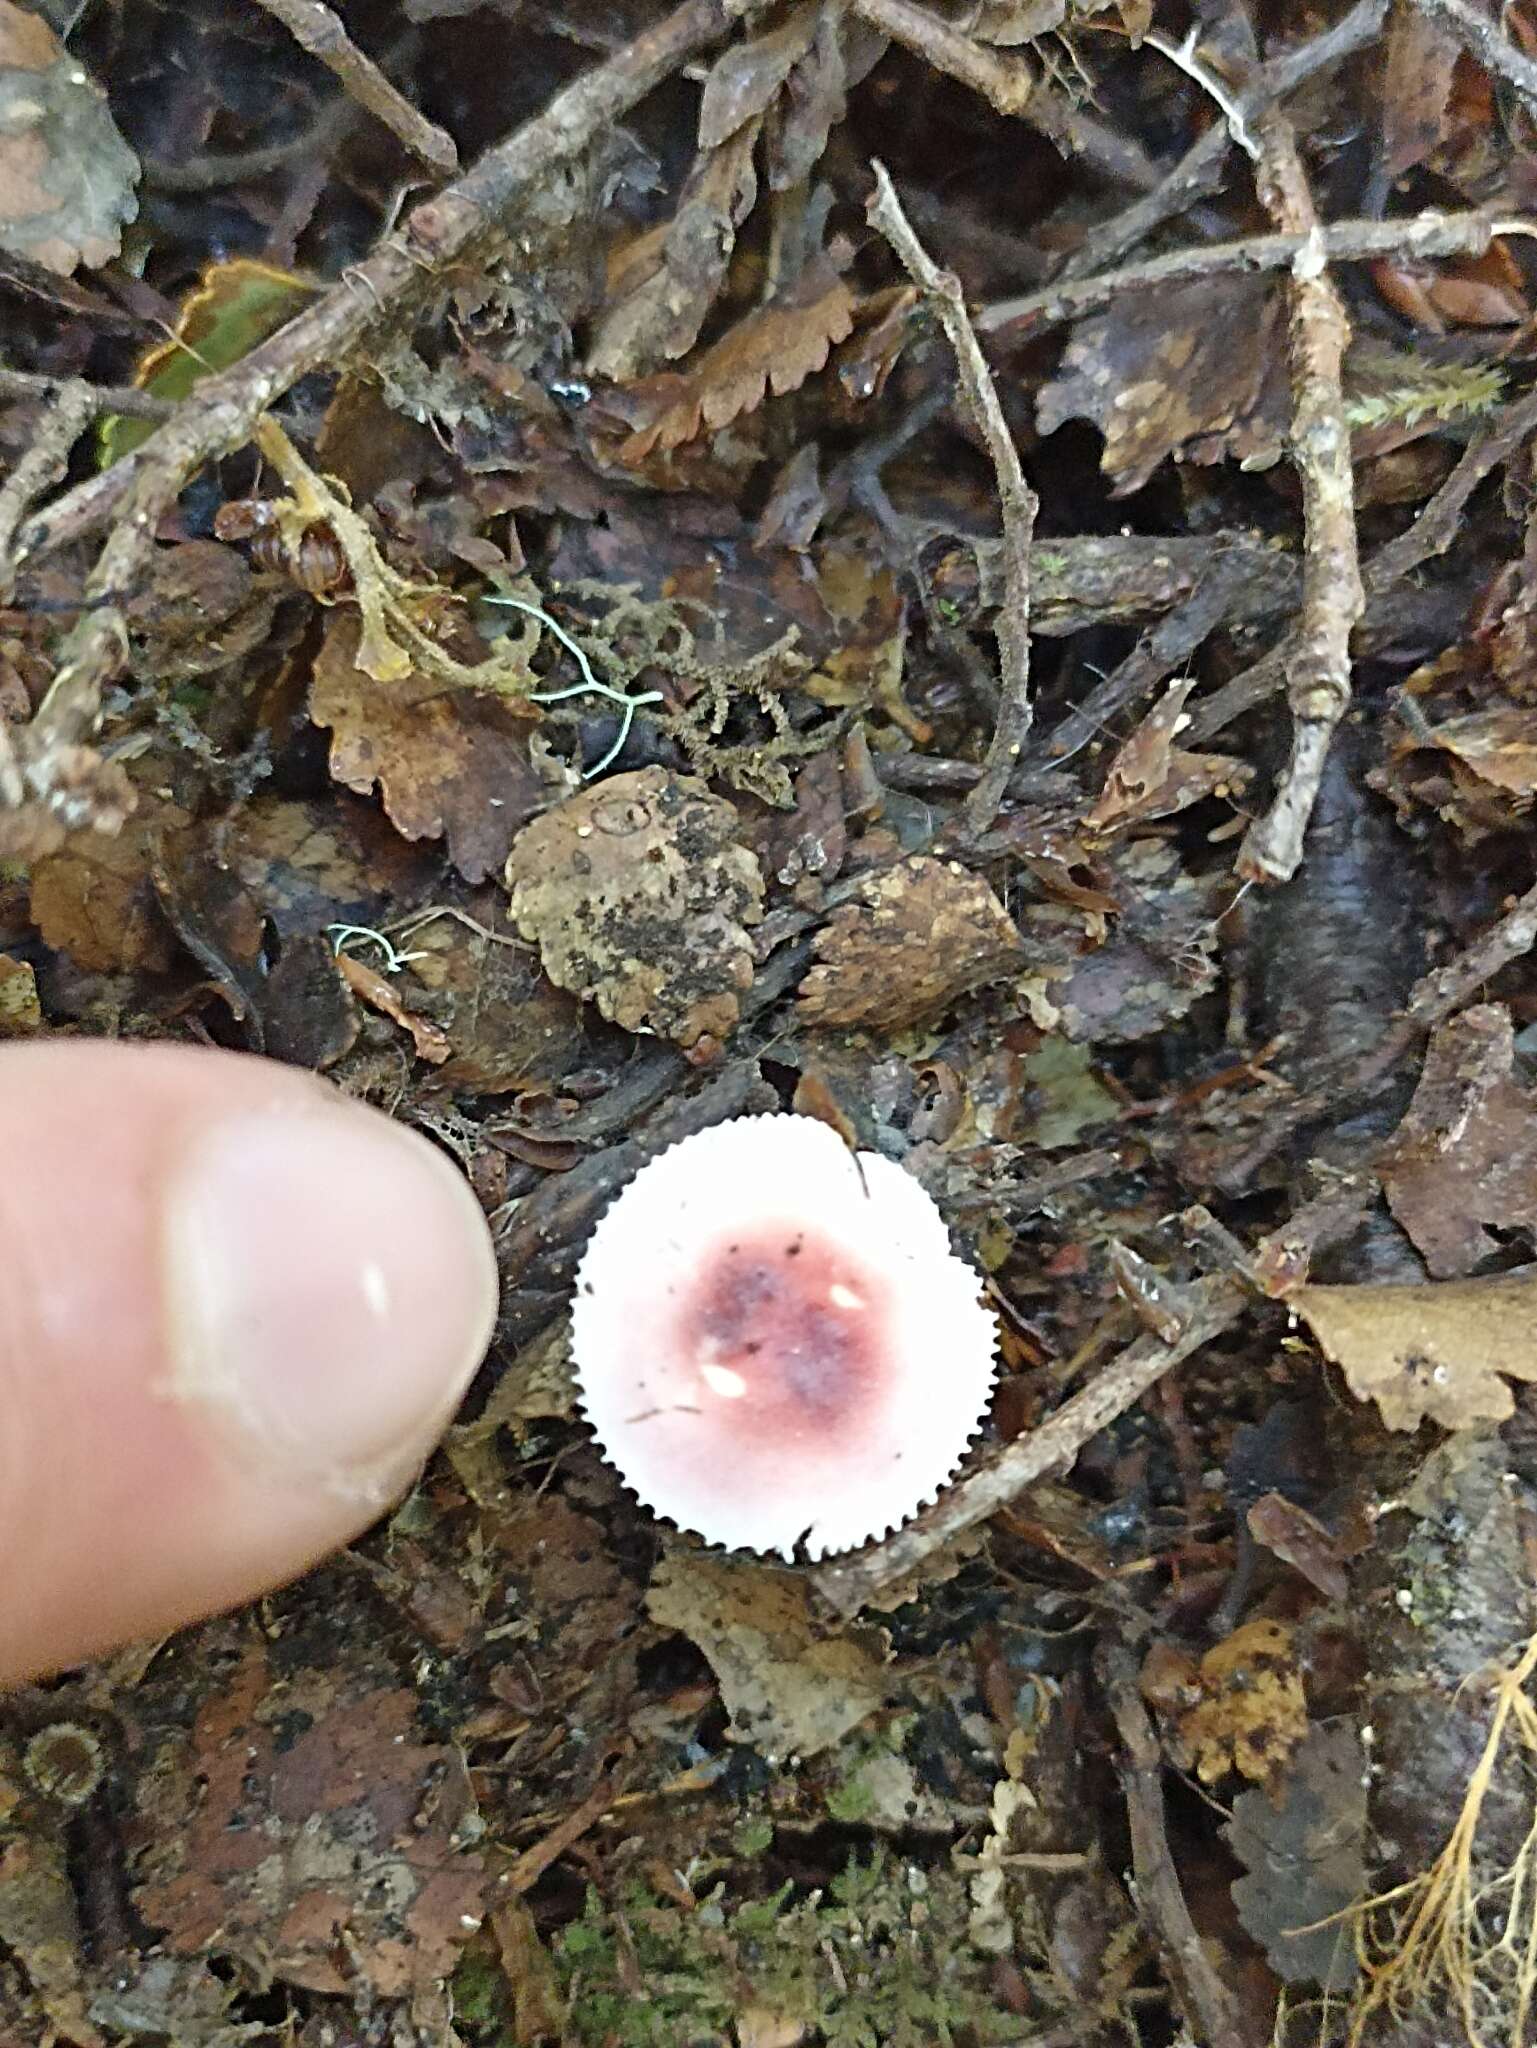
774 1342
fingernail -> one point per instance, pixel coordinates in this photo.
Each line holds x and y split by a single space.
331 1290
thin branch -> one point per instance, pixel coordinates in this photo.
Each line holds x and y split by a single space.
1425 235
319 30
1211 2012
1333 596
124 398
1011 84
1434 997
1432 532
1017 502
1199 171
1214 1304
1484 39
73 408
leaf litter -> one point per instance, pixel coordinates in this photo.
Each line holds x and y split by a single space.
616 638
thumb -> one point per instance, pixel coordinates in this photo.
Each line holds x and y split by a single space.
236 1313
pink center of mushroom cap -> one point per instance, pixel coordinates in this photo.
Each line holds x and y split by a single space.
774 1342
785 1329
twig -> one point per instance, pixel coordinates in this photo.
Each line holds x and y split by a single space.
319 30
398 278
1009 83
1160 651
1199 170
1432 532
1216 1302
1427 234
1006 81
1017 502
124 398
1333 596
1210 2010
1433 998
73 408
1483 38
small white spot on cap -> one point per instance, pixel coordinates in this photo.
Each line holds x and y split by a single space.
376 1290
720 1379
844 1297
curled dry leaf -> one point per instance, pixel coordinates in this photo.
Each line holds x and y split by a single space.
774 349
1252 1712
1445 1351
917 936
788 1692
1151 777
450 764
1463 1163
663 287
67 176
638 897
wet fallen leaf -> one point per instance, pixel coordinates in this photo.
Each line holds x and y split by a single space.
95 901
67 177
917 937
1303 1844
1461 1169
1444 1351
788 1692
288 997
1252 1713
450 765
746 78
1191 370
306 1828
639 896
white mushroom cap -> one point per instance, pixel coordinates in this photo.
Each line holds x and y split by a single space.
774 1342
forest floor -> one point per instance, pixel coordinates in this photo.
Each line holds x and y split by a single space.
1024 512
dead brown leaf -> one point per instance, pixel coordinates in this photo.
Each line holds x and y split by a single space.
20 1011
669 281
1443 1351
788 1692
1194 370
639 896
66 175
306 1829
450 764
1463 1163
918 936
95 901
1303 1845
776 348
1151 777
746 78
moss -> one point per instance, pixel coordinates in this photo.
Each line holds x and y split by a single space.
878 1961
